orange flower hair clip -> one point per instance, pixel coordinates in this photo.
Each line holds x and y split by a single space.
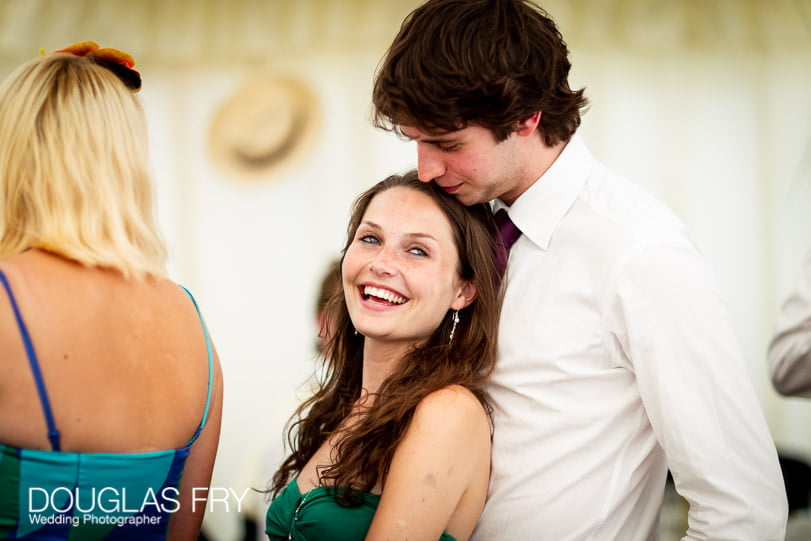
119 62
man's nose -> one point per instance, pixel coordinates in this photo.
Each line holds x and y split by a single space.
430 164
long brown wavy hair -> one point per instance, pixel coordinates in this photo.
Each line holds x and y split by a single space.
488 62
365 451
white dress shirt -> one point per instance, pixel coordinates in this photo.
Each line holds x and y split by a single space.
617 361
790 349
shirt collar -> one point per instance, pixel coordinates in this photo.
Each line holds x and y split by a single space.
539 210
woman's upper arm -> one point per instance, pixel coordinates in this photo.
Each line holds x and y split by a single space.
446 448
194 485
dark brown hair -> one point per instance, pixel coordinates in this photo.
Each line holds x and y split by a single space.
488 62
365 451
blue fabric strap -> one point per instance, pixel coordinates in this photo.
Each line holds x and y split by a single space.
53 433
210 367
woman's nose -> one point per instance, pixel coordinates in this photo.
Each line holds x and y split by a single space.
383 263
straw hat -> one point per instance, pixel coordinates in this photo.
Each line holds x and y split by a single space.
266 124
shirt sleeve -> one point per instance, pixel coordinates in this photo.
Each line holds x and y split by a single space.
789 354
674 330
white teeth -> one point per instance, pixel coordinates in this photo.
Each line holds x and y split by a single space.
383 294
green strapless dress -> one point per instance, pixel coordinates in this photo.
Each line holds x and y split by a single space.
316 516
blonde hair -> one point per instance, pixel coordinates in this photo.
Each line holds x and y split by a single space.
73 168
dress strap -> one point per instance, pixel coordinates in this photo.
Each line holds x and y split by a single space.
210 368
53 433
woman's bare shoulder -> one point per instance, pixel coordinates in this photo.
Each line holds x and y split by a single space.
452 408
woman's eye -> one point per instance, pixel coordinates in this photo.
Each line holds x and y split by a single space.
369 239
418 251
448 148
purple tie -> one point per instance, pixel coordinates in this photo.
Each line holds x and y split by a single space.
509 234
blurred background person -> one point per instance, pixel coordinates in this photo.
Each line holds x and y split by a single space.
110 380
330 287
263 459
790 349
789 359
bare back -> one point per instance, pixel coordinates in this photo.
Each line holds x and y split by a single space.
123 361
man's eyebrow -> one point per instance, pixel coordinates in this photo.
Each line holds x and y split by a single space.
432 139
441 139
435 139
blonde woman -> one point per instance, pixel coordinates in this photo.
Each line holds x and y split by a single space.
110 401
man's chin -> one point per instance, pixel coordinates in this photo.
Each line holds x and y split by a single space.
468 199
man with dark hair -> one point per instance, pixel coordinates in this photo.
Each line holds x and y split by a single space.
617 357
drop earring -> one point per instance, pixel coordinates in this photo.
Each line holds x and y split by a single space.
453 327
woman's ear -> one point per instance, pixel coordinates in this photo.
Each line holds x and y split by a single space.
465 296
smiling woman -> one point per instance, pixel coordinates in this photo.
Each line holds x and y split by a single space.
401 271
397 439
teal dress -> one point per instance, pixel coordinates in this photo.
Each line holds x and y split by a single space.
53 495
317 516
